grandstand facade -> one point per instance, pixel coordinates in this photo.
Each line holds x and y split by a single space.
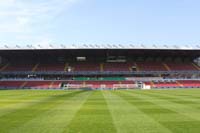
99 68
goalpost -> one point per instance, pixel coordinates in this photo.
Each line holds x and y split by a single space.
131 86
124 86
103 86
77 86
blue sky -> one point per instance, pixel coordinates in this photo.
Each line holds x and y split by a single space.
172 22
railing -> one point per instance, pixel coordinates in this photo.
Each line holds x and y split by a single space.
97 72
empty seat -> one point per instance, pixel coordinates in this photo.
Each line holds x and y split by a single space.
38 84
50 67
11 84
151 66
19 67
181 66
117 66
85 66
190 83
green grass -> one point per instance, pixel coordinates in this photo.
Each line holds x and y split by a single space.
122 111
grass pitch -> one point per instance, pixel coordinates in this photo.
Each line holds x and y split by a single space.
136 111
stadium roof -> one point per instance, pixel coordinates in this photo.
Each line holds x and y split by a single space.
98 46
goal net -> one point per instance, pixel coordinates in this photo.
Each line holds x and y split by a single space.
77 86
124 86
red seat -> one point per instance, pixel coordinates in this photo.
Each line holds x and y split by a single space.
181 66
166 84
190 83
19 67
50 67
117 66
151 66
38 84
85 66
11 83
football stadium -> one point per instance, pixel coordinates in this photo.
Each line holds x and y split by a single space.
99 66
95 88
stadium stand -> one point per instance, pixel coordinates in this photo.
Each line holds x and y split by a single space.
151 66
31 84
50 67
97 84
99 69
171 84
142 66
11 84
181 66
117 66
18 67
38 84
85 66
100 78
189 83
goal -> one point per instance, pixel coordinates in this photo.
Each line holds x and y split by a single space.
124 86
77 86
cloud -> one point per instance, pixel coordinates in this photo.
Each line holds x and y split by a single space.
26 22
23 15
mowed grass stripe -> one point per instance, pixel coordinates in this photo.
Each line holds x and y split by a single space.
163 103
194 93
185 108
23 98
129 118
55 119
10 105
93 117
13 94
10 93
176 96
166 113
29 112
